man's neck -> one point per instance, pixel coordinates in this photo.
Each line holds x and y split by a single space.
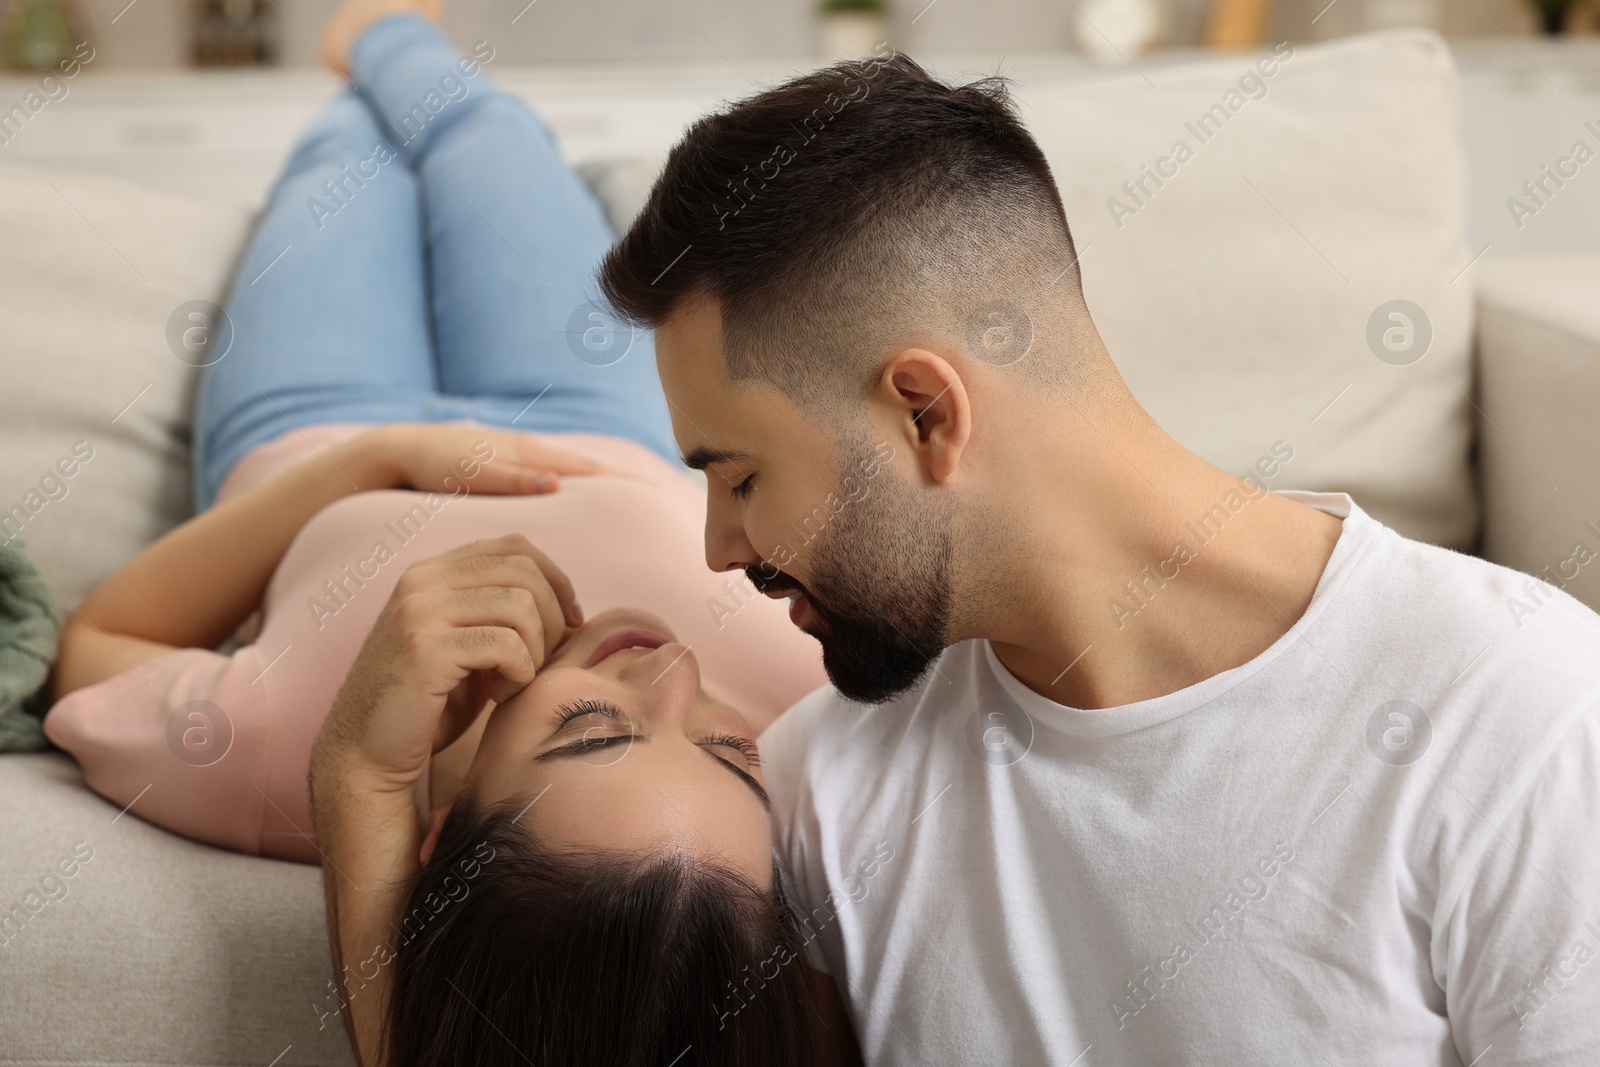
1147 570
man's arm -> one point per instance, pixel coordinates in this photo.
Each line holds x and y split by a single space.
1520 948
369 838
420 680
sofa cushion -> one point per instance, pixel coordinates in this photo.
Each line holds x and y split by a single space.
153 949
1237 295
93 272
1539 381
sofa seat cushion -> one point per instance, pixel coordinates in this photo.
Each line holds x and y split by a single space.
123 943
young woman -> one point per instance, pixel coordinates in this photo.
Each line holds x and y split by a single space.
417 392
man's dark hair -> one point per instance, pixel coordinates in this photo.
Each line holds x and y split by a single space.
858 207
509 953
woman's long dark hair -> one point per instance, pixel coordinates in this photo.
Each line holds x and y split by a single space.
512 954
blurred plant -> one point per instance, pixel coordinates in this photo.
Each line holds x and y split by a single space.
852 29
38 34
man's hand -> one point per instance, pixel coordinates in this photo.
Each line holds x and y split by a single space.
442 457
459 630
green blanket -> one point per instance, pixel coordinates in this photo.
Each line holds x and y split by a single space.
28 629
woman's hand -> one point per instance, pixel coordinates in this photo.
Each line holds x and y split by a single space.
443 457
460 629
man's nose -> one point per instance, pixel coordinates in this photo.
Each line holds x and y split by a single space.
727 547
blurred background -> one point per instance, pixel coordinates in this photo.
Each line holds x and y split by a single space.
202 97
177 33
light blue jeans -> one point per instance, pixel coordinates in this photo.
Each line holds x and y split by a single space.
425 256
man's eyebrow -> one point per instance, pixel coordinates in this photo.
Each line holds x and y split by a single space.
703 457
584 745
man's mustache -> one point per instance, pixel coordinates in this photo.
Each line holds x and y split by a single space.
775 582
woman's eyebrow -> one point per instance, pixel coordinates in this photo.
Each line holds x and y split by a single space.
584 745
755 786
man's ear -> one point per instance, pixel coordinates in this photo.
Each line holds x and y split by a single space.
436 819
931 409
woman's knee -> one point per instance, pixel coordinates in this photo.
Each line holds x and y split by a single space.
345 132
486 109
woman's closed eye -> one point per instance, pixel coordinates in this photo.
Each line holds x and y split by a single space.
593 743
590 709
742 745
604 725
598 724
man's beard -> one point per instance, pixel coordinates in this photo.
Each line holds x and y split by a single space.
879 588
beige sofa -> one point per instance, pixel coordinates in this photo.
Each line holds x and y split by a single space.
1245 289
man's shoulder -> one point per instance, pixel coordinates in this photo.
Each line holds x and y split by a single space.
1502 664
819 721
1419 591
826 730
791 733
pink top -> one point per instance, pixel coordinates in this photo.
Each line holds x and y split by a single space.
632 540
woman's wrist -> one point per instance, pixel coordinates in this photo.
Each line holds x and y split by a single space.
374 458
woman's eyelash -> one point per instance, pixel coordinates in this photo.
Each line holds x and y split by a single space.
745 746
742 490
590 744
581 708
578 709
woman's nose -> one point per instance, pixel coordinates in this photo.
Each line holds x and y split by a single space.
667 680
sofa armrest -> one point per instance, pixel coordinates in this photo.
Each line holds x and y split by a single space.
1539 421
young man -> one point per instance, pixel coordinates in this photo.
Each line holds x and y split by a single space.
1128 760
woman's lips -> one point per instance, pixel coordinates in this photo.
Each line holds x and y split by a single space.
622 639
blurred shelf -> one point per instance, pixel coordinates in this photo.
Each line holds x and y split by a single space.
224 134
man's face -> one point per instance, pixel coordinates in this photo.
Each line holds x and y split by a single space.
824 517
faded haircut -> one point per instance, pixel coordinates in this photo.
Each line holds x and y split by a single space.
847 212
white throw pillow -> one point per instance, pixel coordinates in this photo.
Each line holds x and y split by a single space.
1236 295
93 270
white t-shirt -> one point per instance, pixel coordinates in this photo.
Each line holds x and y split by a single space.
1378 842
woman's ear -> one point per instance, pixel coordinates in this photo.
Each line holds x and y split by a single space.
436 820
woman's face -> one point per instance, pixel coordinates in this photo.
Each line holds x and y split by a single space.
615 747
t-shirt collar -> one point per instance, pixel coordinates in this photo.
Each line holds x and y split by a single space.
1357 532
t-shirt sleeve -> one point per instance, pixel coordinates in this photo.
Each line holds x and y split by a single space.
179 740
796 836
1521 961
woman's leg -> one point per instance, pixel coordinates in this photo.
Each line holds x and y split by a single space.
329 307
514 239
